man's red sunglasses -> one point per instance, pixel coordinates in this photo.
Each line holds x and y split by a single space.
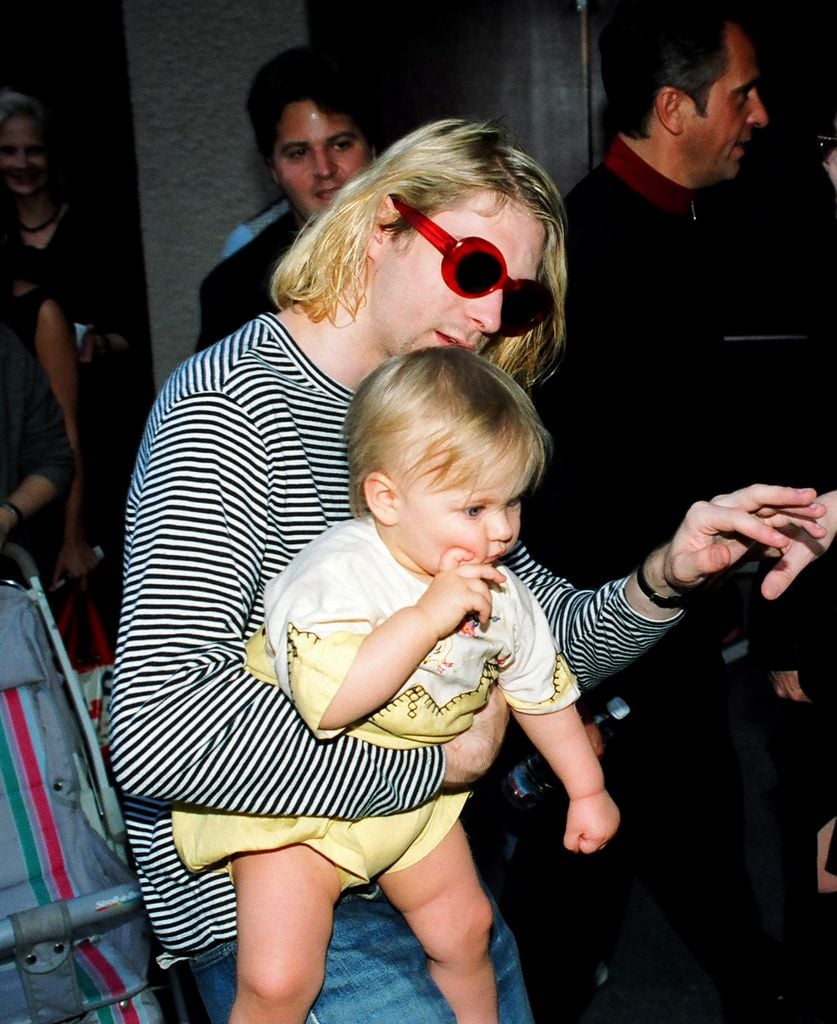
474 266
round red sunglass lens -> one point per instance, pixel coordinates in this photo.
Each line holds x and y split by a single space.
525 305
473 267
478 272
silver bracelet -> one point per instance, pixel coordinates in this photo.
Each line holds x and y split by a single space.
10 505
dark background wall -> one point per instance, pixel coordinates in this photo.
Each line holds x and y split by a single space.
526 61
177 102
72 56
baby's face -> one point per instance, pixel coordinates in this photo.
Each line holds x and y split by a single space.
477 522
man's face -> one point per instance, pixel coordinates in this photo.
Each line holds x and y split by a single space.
714 143
314 154
409 306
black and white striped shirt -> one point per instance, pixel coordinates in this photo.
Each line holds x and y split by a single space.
242 463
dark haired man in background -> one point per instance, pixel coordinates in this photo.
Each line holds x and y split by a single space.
645 369
312 130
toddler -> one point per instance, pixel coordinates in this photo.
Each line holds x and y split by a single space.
395 626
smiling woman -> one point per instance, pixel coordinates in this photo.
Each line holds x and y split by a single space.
43 241
79 50
69 224
23 160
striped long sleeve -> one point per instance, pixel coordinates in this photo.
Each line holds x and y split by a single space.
242 463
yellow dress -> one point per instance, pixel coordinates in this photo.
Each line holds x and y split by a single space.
319 610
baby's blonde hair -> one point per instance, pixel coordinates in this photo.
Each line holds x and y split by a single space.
447 413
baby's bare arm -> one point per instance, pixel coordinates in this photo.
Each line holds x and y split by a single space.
562 739
392 652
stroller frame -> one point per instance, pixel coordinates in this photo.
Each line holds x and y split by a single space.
75 941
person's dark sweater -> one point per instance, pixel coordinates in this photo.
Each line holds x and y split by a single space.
637 400
32 439
642 427
238 289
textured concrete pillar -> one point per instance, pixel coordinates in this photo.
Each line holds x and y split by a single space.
190 64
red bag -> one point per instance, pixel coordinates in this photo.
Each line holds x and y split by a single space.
90 654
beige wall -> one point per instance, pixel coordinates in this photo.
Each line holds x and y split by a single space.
190 64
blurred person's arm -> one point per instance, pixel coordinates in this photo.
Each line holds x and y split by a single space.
38 457
29 497
55 348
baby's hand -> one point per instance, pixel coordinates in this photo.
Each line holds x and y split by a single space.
591 822
459 589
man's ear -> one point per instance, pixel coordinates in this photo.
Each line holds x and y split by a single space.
382 498
670 108
387 214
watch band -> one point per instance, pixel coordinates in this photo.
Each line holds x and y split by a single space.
675 601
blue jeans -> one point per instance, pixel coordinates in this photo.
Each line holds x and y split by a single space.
376 972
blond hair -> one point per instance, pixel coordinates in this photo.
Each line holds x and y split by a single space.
436 167
446 413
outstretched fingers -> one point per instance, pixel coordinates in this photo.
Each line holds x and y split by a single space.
755 521
801 551
771 527
757 497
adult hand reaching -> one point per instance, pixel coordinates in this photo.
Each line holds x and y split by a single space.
786 686
753 522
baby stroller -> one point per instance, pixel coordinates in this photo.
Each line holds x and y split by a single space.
74 938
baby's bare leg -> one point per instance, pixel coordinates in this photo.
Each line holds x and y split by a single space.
443 902
285 906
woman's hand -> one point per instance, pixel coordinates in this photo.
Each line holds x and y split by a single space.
75 561
806 547
94 343
786 686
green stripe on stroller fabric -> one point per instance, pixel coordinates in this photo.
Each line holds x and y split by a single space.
51 851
